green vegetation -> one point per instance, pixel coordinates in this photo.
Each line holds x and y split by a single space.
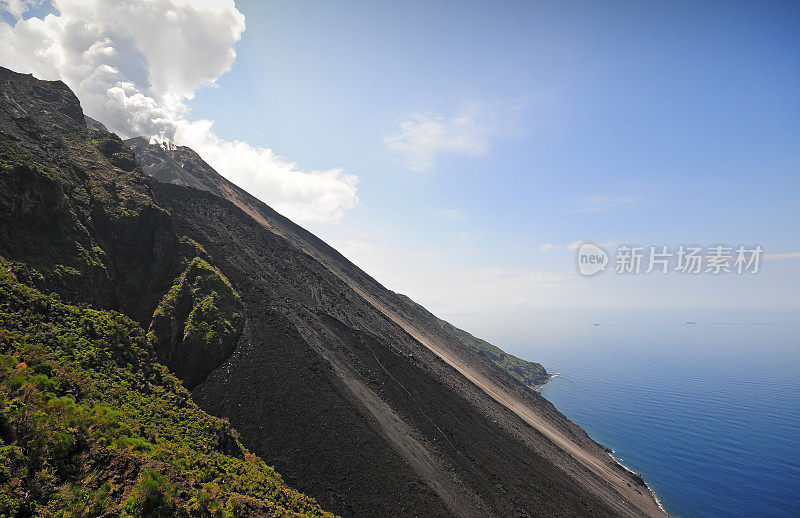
90 424
532 374
198 322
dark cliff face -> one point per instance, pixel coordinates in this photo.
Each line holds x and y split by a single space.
74 203
359 398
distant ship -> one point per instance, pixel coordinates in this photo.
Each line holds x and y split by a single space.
691 323
597 323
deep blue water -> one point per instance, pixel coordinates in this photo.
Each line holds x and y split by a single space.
708 413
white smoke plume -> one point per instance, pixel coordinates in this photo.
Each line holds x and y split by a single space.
134 64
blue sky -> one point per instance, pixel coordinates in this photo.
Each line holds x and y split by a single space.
487 136
644 123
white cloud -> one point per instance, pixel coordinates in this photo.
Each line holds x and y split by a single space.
783 255
305 196
147 56
605 203
469 130
572 246
577 244
453 214
17 8
134 64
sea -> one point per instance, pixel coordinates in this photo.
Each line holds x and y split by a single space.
705 406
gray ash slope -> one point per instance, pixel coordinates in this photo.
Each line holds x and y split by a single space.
363 399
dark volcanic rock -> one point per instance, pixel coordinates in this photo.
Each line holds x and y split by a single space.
178 165
93 124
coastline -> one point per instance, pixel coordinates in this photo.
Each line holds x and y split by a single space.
611 452
639 475
540 386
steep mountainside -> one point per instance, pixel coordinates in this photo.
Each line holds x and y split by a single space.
473 373
359 398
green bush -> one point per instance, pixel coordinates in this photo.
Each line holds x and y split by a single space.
153 497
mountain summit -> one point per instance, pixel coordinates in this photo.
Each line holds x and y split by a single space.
359 397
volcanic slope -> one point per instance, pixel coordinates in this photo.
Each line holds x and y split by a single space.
457 434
